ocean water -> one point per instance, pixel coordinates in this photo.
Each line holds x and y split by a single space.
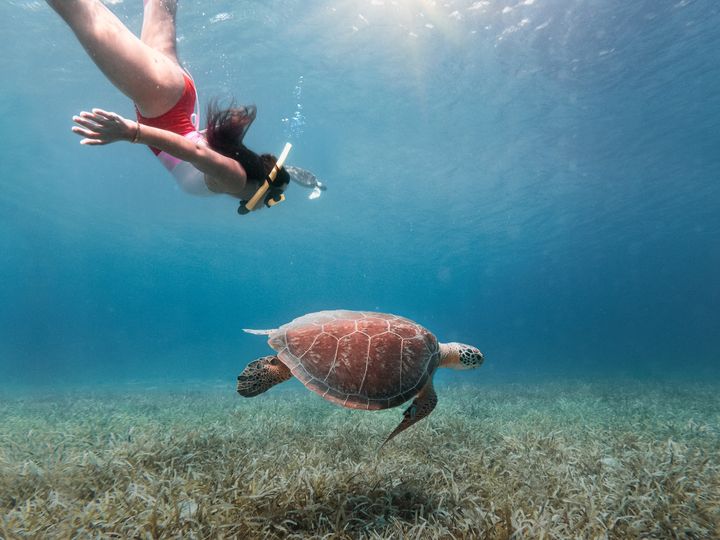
538 178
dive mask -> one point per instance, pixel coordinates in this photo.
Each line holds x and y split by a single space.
268 190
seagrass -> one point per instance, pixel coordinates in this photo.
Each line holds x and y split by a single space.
557 460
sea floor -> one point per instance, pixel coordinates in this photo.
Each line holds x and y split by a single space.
555 460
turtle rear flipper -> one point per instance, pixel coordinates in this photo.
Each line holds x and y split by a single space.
260 375
421 406
317 190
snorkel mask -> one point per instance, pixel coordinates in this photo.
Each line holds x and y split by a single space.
275 194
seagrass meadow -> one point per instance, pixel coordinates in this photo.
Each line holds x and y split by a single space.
549 460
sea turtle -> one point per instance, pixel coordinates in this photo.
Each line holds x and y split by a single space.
306 179
358 359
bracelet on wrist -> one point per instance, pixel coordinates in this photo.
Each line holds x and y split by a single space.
136 138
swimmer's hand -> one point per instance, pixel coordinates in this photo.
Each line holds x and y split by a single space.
102 127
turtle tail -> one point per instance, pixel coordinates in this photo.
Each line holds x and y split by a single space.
259 332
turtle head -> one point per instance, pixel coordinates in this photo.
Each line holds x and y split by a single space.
260 375
460 356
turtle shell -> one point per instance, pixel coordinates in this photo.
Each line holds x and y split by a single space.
361 360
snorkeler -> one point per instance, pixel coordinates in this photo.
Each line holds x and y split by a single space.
203 162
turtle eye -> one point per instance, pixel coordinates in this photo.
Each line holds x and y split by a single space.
274 361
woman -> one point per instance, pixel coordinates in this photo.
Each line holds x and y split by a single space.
148 72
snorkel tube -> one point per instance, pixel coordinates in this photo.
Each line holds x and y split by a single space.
247 206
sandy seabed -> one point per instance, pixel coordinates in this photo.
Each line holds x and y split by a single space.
556 460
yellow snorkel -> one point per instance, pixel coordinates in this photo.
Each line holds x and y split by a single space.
247 206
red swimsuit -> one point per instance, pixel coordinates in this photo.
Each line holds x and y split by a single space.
179 118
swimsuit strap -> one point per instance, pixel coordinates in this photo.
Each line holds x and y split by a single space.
195 116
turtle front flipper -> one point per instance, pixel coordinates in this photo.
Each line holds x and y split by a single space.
421 406
260 375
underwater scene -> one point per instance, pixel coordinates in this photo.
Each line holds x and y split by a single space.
480 300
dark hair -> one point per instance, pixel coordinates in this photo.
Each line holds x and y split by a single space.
226 129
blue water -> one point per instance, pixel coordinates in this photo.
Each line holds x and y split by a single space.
538 178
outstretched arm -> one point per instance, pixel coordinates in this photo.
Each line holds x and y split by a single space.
101 127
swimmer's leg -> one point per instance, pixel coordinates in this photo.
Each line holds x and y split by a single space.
158 29
150 78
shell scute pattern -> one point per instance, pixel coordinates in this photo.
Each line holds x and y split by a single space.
357 359
413 348
348 315
340 328
297 340
405 329
383 374
386 316
348 373
315 359
317 319
373 325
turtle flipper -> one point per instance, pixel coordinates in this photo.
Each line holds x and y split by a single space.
260 375
306 179
259 332
422 405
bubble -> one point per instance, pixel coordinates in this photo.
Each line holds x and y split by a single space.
294 125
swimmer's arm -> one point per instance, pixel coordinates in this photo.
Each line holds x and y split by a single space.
227 174
100 127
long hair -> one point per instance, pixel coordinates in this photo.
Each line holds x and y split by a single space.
226 129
